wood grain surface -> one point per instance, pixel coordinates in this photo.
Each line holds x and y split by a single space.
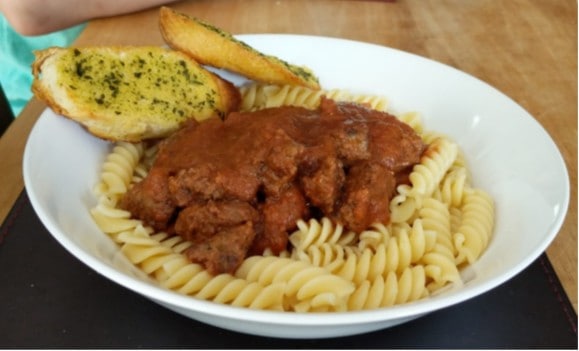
525 48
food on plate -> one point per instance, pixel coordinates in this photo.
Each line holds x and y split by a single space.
438 224
130 93
238 186
213 46
297 199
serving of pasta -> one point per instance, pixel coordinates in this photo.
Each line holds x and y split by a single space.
439 224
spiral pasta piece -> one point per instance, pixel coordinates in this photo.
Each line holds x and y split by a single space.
227 289
435 217
305 284
475 230
410 285
329 256
316 232
110 219
357 267
433 165
257 96
393 256
421 240
441 269
403 207
452 187
455 218
375 235
118 168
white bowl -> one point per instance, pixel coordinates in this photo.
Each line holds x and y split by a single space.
510 155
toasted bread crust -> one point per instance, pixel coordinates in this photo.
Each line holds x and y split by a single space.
129 93
40 91
214 47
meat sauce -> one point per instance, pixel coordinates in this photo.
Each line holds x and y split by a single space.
237 187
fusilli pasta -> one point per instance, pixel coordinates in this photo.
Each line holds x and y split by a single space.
257 96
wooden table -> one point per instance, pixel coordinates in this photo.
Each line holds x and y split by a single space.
527 49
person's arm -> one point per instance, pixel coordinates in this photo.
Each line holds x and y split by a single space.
35 17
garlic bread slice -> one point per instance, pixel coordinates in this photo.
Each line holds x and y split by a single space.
214 47
129 93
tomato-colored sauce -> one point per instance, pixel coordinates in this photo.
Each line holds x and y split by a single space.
237 187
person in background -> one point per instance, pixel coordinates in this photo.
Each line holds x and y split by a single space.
28 25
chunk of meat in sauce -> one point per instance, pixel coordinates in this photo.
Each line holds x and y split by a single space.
363 205
256 173
150 200
322 178
224 251
202 220
280 215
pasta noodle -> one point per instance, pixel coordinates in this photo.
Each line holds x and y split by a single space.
433 165
473 234
118 169
439 223
328 256
452 187
307 286
316 233
390 290
259 96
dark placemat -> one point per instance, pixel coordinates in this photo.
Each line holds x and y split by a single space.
50 299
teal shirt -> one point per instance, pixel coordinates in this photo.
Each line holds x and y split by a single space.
16 57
